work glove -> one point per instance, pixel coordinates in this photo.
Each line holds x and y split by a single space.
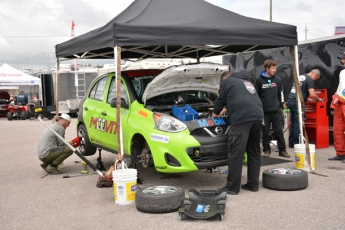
76 141
104 182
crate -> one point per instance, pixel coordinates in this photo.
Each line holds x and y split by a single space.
185 113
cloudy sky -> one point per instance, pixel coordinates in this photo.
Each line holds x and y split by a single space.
30 29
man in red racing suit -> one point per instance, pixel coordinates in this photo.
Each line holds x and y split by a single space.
338 107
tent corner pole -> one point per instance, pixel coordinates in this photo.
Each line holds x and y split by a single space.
117 54
57 87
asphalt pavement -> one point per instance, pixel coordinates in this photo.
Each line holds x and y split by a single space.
31 199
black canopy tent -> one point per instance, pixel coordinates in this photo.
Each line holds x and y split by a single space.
174 29
177 29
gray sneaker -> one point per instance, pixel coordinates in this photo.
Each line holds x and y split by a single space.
284 154
52 170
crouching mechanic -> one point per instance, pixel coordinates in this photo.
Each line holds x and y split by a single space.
51 150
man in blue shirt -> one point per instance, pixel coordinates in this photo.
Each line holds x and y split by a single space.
22 99
306 82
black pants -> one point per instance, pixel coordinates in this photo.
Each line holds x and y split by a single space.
242 137
277 120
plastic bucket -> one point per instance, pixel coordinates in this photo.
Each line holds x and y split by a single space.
125 185
301 157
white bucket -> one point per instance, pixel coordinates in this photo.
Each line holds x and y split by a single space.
301 157
125 185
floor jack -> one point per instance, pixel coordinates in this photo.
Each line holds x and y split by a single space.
87 162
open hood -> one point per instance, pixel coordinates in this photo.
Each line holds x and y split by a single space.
201 77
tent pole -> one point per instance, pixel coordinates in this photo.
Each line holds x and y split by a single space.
301 106
117 53
57 87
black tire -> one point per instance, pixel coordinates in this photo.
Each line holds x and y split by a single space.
27 114
86 149
9 116
159 199
40 116
50 116
285 179
23 115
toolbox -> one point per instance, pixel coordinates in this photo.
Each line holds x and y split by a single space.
185 113
316 124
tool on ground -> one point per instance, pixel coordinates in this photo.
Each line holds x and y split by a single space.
72 148
79 174
84 171
203 204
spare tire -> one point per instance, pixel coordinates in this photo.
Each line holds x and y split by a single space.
159 199
285 179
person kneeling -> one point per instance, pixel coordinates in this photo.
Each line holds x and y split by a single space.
51 150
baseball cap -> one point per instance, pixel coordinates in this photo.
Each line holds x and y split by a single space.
65 116
342 55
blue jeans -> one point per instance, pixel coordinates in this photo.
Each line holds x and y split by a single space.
294 125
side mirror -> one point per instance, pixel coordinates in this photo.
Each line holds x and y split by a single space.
123 103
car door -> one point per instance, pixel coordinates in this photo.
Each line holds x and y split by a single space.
109 136
93 108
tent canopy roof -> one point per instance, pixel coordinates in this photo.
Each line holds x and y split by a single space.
177 29
14 77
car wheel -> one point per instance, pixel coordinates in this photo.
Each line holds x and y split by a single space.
85 147
23 115
159 199
9 116
50 116
285 179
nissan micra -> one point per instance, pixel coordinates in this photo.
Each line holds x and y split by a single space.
165 115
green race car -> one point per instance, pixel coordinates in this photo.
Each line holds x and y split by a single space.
165 115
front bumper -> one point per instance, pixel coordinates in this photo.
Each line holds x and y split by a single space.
202 153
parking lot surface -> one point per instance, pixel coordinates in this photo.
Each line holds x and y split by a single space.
31 199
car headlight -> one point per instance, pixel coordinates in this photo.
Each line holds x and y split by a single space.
167 123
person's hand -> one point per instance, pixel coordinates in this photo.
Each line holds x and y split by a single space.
214 115
222 112
311 100
76 141
332 111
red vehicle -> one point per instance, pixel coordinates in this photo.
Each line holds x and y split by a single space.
4 101
18 112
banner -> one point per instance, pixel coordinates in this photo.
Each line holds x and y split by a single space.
339 30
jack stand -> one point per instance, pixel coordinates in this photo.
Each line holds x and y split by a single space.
99 164
139 181
213 170
85 171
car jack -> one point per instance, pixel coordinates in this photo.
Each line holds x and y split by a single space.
99 164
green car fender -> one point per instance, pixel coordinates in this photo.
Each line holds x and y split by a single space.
140 121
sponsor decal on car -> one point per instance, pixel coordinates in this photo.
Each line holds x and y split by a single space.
159 138
161 167
143 113
211 122
103 125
